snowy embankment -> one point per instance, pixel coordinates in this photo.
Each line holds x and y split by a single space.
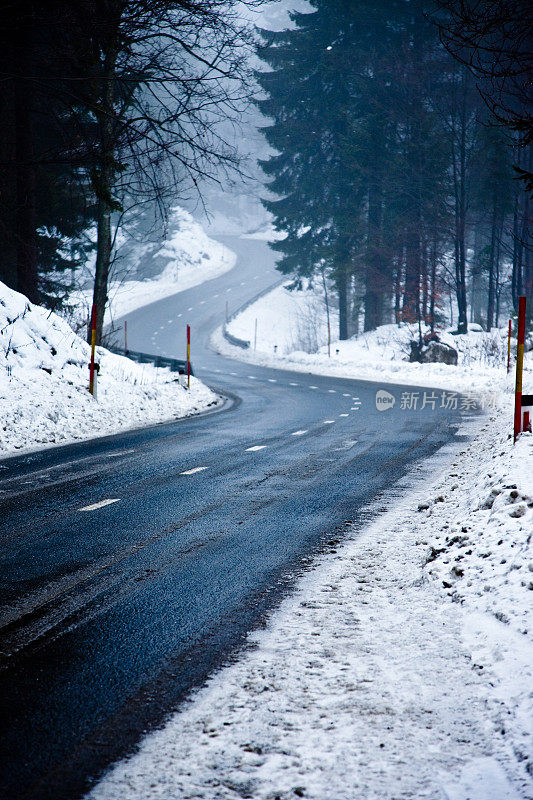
187 258
401 667
44 379
292 328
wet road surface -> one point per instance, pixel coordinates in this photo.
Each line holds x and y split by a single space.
133 565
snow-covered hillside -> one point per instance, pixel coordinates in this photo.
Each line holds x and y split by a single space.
44 380
292 334
185 259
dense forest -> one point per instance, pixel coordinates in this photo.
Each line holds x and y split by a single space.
401 134
402 163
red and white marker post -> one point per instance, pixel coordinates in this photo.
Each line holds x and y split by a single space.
509 349
519 366
188 356
93 344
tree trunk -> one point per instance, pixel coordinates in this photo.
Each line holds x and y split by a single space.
374 277
103 190
459 182
342 290
492 253
411 297
398 285
528 247
424 277
433 282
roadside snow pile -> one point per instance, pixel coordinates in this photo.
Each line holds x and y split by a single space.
187 258
375 681
286 320
44 381
481 531
292 332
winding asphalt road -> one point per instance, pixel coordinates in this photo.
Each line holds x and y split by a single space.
111 616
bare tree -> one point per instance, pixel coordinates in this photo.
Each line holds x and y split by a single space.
160 77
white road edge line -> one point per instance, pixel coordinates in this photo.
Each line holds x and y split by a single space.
255 447
101 504
193 470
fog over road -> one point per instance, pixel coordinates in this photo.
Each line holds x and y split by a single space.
111 615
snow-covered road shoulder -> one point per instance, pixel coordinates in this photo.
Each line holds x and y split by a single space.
44 381
288 330
400 668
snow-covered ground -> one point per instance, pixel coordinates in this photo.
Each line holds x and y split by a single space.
401 667
44 381
186 258
292 332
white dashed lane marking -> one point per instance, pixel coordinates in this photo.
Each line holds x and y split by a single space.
192 471
252 377
294 384
255 447
313 387
344 415
332 391
101 504
298 433
190 309
272 380
328 422
346 394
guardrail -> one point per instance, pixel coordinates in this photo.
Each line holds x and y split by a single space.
175 364
244 344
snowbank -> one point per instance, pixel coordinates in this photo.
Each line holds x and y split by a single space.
292 329
44 380
187 258
400 668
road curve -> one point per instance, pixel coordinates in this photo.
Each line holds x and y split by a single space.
133 565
